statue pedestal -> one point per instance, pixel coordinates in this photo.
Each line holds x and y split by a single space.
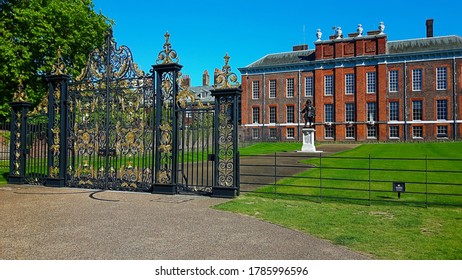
308 140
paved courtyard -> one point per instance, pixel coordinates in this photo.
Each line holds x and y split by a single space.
52 223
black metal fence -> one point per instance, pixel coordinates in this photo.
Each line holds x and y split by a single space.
4 145
422 181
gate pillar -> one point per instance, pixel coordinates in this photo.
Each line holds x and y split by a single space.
18 136
167 71
57 129
58 83
226 92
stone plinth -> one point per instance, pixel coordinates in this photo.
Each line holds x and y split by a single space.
308 140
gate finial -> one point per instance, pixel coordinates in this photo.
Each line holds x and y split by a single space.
226 78
59 68
167 55
20 93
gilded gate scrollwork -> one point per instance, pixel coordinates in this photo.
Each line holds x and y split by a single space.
111 135
115 127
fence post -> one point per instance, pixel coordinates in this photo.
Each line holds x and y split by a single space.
58 128
275 173
426 181
369 180
18 136
320 176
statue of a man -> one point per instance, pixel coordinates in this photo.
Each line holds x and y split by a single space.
308 114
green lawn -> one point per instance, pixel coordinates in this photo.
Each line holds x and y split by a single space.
383 230
265 148
432 173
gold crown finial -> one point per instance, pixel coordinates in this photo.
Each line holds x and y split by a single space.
59 68
20 94
226 78
167 55
167 37
226 59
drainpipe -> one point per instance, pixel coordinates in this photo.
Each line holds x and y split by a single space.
297 108
263 109
405 101
454 98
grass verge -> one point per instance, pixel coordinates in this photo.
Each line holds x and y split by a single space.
383 230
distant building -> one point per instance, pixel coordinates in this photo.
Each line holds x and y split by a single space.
201 93
363 87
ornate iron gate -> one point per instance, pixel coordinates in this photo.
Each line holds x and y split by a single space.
115 127
111 123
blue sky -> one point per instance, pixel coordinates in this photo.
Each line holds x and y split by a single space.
203 31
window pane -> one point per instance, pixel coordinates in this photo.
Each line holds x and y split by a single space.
441 78
255 89
442 131
442 109
417 132
255 133
350 112
290 87
328 113
329 132
308 86
349 84
272 117
394 131
371 84
328 85
417 79
272 89
290 132
272 133
393 81
417 110
371 131
394 111
371 112
290 114
256 114
350 132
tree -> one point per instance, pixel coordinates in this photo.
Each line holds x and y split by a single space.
30 34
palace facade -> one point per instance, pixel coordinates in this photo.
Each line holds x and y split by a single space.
363 88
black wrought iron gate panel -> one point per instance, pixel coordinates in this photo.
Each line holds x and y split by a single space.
111 133
36 147
196 149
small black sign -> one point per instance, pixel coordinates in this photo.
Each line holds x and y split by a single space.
399 187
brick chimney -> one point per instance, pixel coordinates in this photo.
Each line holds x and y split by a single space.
300 48
206 78
429 28
186 81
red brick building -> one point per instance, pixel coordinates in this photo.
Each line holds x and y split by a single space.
364 88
